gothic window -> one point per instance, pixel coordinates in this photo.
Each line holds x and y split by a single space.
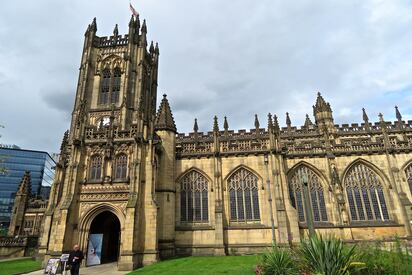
408 172
110 86
120 167
243 196
317 198
194 198
95 167
105 87
116 85
365 194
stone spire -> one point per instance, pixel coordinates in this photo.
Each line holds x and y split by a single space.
365 116
398 114
157 48
144 27
93 25
321 105
116 31
270 122
25 185
257 124
323 115
276 124
65 141
225 125
132 22
195 126
164 117
308 122
365 119
288 122
151 48
215 125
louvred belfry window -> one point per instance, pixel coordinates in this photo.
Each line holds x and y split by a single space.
116 85
110 86
120 167
105 87
194 198
408 172
95 167
316 195
243 196
365 194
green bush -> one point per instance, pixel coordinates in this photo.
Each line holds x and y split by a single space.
278 261
330 256
379 261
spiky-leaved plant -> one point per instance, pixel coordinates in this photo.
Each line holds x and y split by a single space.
330 256
277 261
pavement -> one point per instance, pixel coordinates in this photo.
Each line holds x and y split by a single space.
103 269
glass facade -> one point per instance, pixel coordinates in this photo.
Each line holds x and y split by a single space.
16 162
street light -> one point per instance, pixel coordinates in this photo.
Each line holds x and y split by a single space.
308 206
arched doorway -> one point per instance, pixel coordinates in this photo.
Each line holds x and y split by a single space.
104 234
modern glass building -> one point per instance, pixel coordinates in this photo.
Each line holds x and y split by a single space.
17 161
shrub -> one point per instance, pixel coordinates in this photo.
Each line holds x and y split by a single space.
379 261
330 256
278 261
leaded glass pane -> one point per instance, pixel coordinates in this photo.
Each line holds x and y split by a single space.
194 198
243 196
316 194
369 199
120 167
105 87
95 167
408 172
116 85
256 212
183 206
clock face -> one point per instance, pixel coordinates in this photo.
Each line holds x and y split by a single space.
105 121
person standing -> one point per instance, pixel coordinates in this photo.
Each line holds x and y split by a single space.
75 259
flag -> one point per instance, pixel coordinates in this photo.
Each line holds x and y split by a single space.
134 12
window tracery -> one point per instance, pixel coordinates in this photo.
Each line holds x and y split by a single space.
316 194
95 167
194 198
365 194
110 86
408 172
243 196
120 167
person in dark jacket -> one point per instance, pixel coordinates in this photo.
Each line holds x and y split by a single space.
75 259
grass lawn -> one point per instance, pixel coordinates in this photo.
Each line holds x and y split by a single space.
203 265
19 266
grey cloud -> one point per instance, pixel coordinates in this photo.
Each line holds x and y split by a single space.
233 58
60 100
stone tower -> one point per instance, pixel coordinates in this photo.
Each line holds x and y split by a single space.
105 178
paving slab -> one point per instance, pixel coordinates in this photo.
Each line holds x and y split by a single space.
109 269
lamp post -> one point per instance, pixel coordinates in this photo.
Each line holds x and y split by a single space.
308 206
270 199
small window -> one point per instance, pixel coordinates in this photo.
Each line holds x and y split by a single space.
105 87
120 167
116 85
96 168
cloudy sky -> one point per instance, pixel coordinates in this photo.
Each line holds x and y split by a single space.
233 58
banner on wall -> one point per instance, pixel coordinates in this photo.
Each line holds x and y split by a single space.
94 250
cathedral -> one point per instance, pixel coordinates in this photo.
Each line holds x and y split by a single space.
126 172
